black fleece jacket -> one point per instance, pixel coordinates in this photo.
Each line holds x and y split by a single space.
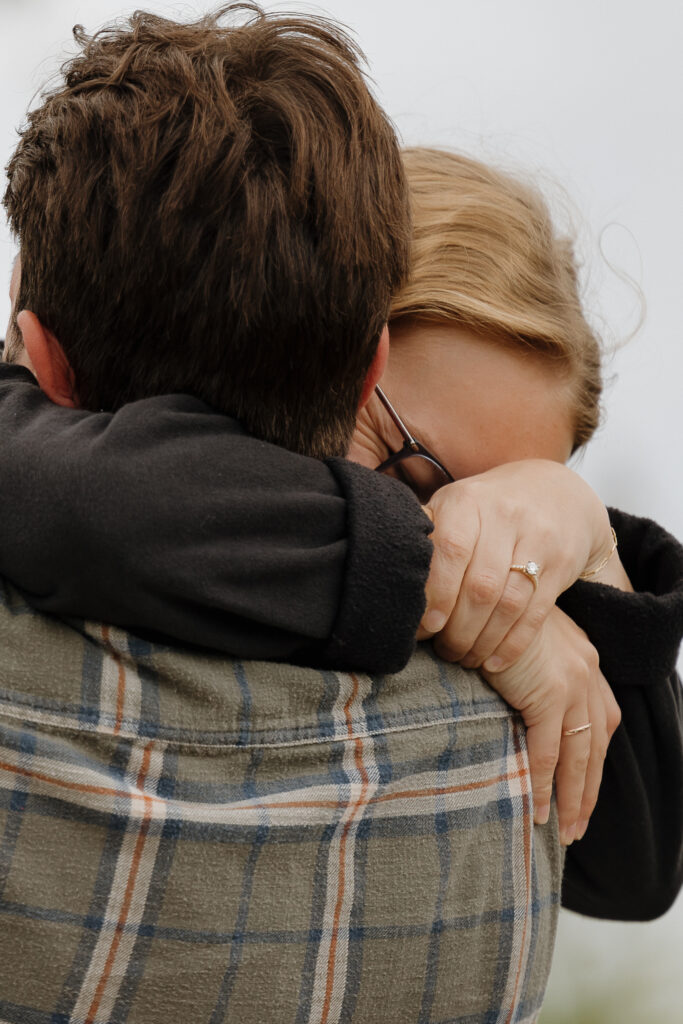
168 519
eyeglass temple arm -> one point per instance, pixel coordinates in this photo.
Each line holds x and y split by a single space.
405 433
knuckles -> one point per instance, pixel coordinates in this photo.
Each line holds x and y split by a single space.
613 718
512 602
537 614
545 761
592 659
576 762
484 588
453 549
581 673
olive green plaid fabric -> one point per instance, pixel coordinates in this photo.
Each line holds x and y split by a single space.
190 840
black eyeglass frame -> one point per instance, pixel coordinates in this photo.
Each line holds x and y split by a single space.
412 448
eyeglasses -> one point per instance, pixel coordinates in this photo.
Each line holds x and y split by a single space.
429 473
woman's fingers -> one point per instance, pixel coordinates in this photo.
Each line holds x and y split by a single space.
583 750
559 689
543 746
538 687
572 770
455 536
605 716
596 759
473 599
527 600
511 627
481 591
486 524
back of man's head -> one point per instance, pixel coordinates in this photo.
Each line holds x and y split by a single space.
216 208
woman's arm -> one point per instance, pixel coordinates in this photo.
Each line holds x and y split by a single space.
166 518
629 865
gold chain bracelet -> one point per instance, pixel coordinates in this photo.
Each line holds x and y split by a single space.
592 572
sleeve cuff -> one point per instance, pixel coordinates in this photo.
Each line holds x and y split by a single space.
638 634
389 554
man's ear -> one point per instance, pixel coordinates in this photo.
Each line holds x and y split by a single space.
377 367
48 362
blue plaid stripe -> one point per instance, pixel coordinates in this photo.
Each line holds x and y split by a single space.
237 939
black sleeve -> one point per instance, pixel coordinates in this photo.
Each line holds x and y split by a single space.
167 519
629 865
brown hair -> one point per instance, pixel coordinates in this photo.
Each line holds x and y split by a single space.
485 255
219 209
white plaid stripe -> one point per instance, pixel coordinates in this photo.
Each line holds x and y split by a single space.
468 786
520 789
127 899
83 785
361 771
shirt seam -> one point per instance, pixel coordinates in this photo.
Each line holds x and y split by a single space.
95 729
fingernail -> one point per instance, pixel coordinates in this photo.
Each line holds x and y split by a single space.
434 621
493 664
541 814
581 829
567 835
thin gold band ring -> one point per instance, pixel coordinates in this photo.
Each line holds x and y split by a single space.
579 728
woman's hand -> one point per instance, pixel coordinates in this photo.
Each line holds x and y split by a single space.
557 685
534 510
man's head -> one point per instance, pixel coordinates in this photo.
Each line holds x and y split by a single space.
216 208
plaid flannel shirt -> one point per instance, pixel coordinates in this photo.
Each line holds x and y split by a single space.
189 840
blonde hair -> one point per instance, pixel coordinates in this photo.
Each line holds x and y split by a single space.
486 256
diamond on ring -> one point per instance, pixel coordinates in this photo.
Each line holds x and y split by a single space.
530 569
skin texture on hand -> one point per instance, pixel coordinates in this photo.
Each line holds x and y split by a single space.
557 685
532 510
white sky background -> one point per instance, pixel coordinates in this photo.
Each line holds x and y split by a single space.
588 94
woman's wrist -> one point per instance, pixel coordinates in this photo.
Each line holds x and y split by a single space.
605 565
603 539
587 573
613 574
